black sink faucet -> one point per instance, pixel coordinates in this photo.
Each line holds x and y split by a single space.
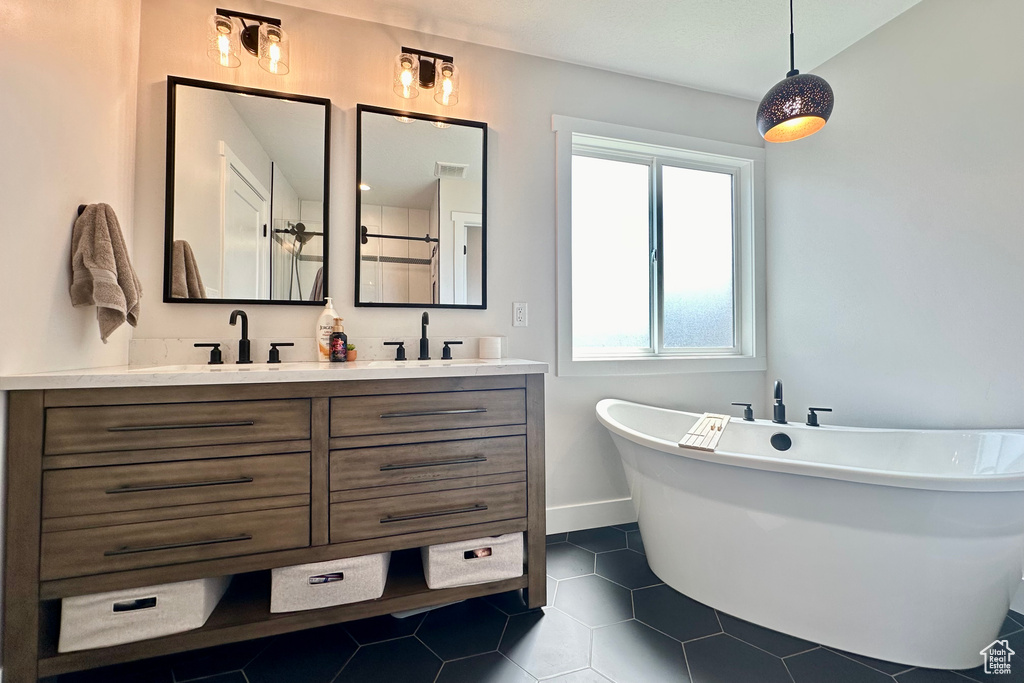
243 343
779 409
424 342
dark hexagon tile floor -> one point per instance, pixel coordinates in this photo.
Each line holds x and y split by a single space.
546 643
566 560
463 629
599 540
593 600
492 667
608 619
626 568
631 652
724 658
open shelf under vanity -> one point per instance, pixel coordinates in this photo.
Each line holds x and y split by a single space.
244 613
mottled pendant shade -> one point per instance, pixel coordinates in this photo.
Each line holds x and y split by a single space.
795 108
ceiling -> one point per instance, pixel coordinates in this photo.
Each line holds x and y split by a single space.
292 134
736 47
398 159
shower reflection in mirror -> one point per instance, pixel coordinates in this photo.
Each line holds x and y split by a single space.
422 210
246 196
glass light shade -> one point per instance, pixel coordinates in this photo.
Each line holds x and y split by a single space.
407 75
446 85
796 107
222 43
273 50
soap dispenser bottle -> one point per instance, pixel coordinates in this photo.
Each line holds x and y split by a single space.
339 343
324 328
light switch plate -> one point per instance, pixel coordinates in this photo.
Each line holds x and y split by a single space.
519 318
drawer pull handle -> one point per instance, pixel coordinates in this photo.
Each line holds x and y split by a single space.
428 413
127 550
434 463
439 513
180 485
203 425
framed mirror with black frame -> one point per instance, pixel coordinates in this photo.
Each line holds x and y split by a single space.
247 197
421 210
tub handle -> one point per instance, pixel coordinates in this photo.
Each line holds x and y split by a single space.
812 415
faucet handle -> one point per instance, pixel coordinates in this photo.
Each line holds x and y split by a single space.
812 415
275 353
748 412
400 351
215 354
446 352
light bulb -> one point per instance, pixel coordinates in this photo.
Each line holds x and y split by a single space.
406 82
275 55
446 90
224 48
406 75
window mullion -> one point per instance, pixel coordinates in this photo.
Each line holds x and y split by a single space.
657 284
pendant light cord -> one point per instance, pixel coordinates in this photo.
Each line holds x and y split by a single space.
792 53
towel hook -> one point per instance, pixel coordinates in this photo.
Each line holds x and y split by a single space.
81 209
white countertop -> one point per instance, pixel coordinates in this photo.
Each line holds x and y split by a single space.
262 373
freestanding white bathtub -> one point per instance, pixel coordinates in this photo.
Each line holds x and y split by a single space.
902 545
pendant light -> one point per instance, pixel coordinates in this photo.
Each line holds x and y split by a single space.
797 106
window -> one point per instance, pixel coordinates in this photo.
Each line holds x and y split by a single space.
659 252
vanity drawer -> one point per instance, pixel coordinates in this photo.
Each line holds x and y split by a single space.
394 413
94 490
394 515
169 425
151 544
415 463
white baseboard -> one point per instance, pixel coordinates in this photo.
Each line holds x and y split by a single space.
590 515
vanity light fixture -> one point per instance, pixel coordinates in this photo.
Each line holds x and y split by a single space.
797 106
415 69
263 38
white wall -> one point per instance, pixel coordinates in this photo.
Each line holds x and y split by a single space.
68 116
895 249
68 119
350 62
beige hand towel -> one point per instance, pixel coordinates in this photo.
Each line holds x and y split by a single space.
101 272
186 282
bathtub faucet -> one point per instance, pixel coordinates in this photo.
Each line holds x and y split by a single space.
779 409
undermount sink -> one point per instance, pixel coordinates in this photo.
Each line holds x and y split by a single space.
226 367
310 366
427 363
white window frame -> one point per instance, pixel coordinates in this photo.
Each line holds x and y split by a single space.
746 165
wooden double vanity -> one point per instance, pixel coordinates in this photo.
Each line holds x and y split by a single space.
123 480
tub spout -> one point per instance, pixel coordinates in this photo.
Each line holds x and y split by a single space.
779 409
